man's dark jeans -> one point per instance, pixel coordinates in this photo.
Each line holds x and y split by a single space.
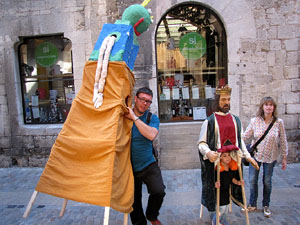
151 176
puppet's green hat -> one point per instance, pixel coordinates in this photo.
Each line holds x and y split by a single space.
138 16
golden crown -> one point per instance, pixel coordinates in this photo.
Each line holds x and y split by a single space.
225 90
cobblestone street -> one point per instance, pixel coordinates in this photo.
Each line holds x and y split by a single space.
181 205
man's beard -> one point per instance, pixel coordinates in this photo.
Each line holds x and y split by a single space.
223 109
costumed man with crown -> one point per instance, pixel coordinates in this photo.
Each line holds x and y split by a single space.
221 131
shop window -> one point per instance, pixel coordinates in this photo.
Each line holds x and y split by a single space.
46 78
191 54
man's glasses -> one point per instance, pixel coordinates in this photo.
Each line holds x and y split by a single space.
148 102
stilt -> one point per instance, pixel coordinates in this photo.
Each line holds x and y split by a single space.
125 218
201 211
218 195
106 216
30 204
243 189
63 208
230 201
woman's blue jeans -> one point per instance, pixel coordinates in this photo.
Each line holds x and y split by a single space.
267 183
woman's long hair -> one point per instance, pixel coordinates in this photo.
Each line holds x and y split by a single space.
263 101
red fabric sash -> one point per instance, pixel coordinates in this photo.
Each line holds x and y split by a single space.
227 133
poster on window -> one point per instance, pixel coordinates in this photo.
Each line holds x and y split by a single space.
178 79
195 92
35 112
175 93
46 54
34 100
185 92
192 46
69 98
166 93
208 92
199 113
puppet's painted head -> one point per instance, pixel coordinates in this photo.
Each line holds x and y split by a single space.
135 20
222 99
139 18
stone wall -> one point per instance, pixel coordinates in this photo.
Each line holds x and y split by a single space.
5 129
269 66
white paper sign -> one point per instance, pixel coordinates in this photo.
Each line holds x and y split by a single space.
69 98
35 112
166 92
175 93
195 91
185 93
199 113
34 100
208 92
179 79
53 94
213 90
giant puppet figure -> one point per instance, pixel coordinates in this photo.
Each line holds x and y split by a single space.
222 131
90 159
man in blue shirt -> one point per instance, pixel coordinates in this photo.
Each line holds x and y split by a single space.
144 164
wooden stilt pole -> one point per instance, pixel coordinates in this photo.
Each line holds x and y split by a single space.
106 216
125 218
30 203
201 211
243 189
218 195
230 201
63 208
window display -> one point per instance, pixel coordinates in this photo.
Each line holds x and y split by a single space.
47 79
191 55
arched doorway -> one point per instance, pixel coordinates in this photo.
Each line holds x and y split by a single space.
191 56
191 59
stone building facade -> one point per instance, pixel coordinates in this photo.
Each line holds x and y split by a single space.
263 60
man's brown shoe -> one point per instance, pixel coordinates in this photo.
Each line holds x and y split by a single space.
249 208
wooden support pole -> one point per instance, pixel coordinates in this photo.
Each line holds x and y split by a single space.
63 208
201 211
125 218
230 200
106 216
30 203
218 195
243 188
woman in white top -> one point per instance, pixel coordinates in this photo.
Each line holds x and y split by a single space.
267 150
